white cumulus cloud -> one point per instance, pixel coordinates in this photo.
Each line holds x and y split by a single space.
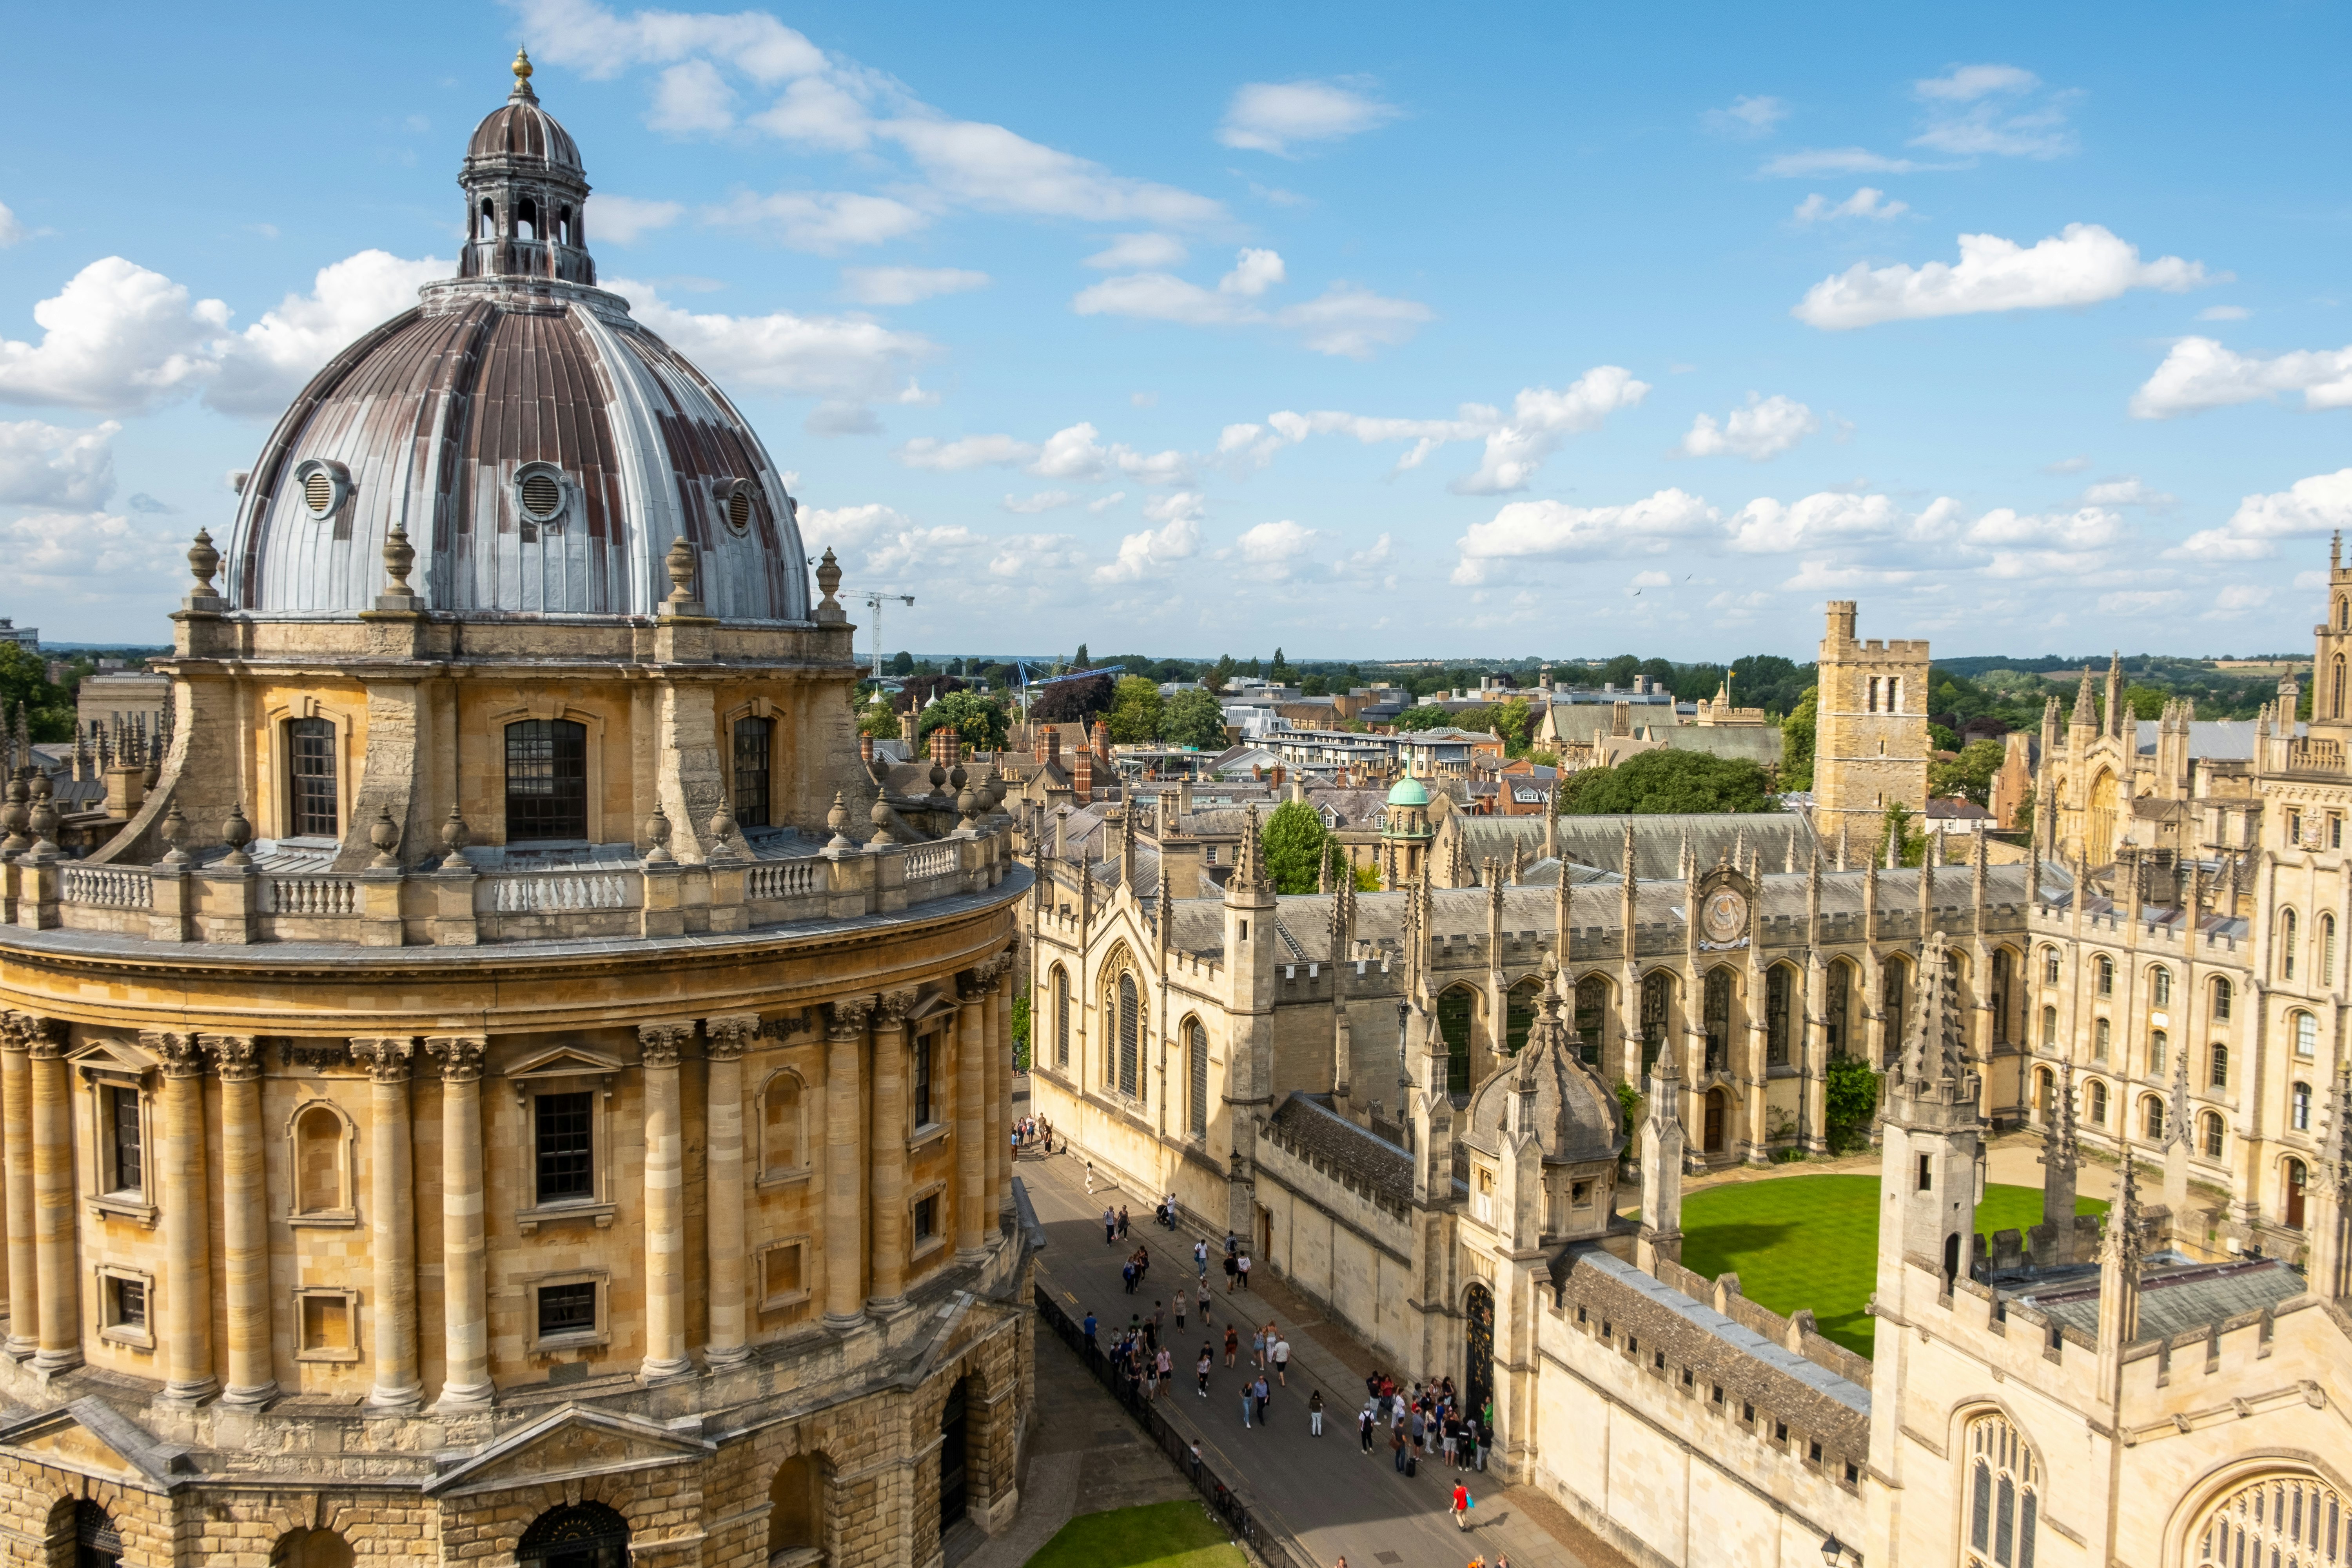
1868 202
1541 419
1557 530
908 285
118 338
1767 427
2081 266
848 358
1268 117
267 362
1151 553
624 220
1836 160
48 465
1993 111
824 222
1042 500
1746 116
2307 509
2200 372
968 452
1343 320
11 228
1144 250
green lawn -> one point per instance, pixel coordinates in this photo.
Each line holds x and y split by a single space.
1812 1241
1157 1535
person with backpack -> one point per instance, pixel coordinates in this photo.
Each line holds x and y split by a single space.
1364 1429
1243 1266
1315 1413
1233 1343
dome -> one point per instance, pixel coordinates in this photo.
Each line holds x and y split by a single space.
538 447
1575 1117
1408 792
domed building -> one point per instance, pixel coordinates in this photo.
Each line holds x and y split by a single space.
509 1083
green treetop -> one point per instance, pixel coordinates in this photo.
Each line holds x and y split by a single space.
1293 839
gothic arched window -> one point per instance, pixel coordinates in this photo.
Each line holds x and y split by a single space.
1592 1017
2004 1496
2286 930
2221 997
1718 1020
2306 1036
2152 1117
1657 991
2213 1134
2102 1032
1833 1006
2049 966
2327 950
1780 985
2292 1521
1453 1025
2220 1075
1061 1018
2103 971
2095 1099
2049 1027
1196 1048
2001 966
1131 1022
2159 986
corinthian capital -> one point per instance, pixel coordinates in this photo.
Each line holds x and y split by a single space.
181 1055
460 1056
661 1044
730 1035
237 1058
386 1057
892 1012
849 1016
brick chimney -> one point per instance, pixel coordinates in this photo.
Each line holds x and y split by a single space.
865 750
1082 775
945 748
1049 745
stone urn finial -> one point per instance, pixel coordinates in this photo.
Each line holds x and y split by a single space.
880 817
828 579
14 814
657 835
967 805
681 563
203 561
399 557
838 820
175 835
455 836
722 830
43 817
384 833
236 833
956 777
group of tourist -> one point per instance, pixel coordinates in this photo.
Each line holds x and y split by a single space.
1032 1132
1424 1416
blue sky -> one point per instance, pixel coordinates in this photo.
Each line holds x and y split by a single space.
1371 332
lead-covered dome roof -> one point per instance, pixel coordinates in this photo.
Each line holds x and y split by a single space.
539 447
1573 1115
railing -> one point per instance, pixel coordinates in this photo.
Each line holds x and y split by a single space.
558 892
2315 756
312 895
1270 1548
106 887
929 860
789 881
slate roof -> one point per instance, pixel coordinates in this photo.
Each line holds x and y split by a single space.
1375 1162
2174 1301
1599 841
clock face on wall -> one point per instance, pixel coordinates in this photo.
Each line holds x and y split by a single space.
1725 917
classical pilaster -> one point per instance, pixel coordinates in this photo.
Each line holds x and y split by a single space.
974 1147
187 1229
16 1140
466 1383
52 1200
998 1044
727 1038
245 1221
391 1223
844 1165
887 1155
661 1044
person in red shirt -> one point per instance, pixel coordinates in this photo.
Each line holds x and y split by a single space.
1461 1510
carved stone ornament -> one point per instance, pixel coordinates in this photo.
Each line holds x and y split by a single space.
236 833
314 1054
828 580
183 1055
729 1035
237 1058
892 1013
175 835
657 835
385 836
460 1056
849 1015
880 816
838 820
202 562
399 556
386 1057
455 836
722 831
680 563
661 1044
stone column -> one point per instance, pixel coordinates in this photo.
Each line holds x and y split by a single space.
391 1224
887 1154
1000 1089
17 1034
466 1386
187 1223
727 1039
53 1201
661 1046
845 1163
975 1148
245 1221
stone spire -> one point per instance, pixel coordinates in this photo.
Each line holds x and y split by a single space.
1661 1162
2114 716
2120 1266
2180 1140
2328 1221
2062 1156
2085 715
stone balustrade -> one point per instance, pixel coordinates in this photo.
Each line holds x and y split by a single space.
461 906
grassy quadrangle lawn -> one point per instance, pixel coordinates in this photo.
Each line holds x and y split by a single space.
1812 1241
1157 1535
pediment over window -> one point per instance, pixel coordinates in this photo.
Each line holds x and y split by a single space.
91 1438
565 1061
115 1058
572 1441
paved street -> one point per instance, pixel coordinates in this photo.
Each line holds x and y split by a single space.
1324 1494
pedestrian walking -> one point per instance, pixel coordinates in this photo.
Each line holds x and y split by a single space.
1127 1272
1315 1413
1090 1178
1264 1398
1167 1374
1122 1222
1110 1226
1364 1429
1282 1361
1233 1343
1461 1510
1201 1258
1244 1267
1232 1271
1257 1347
1249 1402
1201 1370
1181 1299
1205 1303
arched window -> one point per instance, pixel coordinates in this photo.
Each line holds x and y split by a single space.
2219 1076
2102 1033
2298 1108
1130 1024
311 1549
322 1172
2004 1496
2286 930
2151 1111
2095 1099
796 1505
1519 1015
1834 1006
2002 965
1657 992
1196 1050
2159 986
2103 969
2212 1124
2221 998
1454 1024
311 810
1592 1017
2327 950
2050 1027
564 232
580 1535
2335 688
525 219
485 222
1780 985
2157 1045
1891 990
1061 1018
2274 1522
2293 1210
2306 1035
547 780
1718 1020
2049 966
782 1142
754 751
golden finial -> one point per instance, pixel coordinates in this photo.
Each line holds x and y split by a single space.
522 68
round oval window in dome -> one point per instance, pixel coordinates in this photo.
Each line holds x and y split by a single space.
318 491
739 509
542 497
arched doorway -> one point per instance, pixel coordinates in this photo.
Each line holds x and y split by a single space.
2295 1185
580 1535
311 1549
1454 1023
796 1505
1479 1350
2099 831
87 1530
2044 1090
954 1497
1717 1104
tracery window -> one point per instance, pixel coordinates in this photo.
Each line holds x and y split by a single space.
1129 1026
1592 1017
1718 1019
1196 1045
1892 993
2004 1496
2002 965
2279 1521
1519 1016
754 744
1454 1024
2159 984
1779 983
1061 1018
1834 1008
1657 988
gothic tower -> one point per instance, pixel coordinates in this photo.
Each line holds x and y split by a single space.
1251 980
1870 737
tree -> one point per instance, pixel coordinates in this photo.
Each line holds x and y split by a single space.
1254 671
1193 718
1940 739
1293 839
1896 830
1217 678
1797 741
1315 686
1067 701
980 722
1970 773
1511 721
1650 782
1661 672
2023 821
877 720
1079 659
1620 671
1020 1032
1368 879
1850 1094
25 683
1137 711
1423 719
2145 701
1280 671
902 663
